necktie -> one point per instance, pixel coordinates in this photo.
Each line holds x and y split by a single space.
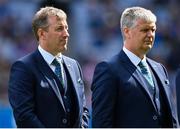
146 73
58 71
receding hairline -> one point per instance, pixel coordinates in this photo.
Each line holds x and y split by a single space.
51 11
41 18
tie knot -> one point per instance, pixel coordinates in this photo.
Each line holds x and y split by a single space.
146 73
58 71
143 67
55 62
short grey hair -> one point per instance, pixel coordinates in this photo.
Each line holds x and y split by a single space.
40 19
132 14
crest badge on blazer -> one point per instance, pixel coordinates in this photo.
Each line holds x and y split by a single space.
166 82
80 81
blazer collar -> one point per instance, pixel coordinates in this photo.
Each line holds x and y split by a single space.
154 66
158 70
72 73
132 69
49 75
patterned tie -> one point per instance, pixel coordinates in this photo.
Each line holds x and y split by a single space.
146 73
58 71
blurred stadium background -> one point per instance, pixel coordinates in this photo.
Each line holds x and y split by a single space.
94 36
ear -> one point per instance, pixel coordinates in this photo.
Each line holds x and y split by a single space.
126 31
41 33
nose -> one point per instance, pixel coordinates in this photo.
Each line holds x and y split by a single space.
66 33
150 33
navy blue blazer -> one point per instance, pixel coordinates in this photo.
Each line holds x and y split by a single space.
178 92
34 95
120 96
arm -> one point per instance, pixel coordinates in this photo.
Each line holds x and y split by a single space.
103 97
21 96
85 115
178 93
173 103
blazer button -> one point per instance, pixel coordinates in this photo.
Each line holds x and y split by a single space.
174 125
65 97
155 117
64 121
68 110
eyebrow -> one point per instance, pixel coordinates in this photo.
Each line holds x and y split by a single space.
61 25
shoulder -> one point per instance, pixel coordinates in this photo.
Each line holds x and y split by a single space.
110 66
68 59
71 62
161 68
178 74
113 62
155 63
29 57
26 61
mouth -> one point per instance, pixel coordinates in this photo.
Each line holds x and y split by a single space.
148 42
64 41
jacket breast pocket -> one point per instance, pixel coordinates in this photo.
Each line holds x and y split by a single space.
44 84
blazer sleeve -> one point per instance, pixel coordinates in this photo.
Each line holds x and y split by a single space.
103 96
85 114
173 102
178 92
21 96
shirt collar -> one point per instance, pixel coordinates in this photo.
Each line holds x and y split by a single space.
133 58
48 57
144 60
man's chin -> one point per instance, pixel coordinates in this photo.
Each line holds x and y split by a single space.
148 49
64 49
148 46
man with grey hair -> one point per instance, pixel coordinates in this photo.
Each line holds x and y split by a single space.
46 88
130 90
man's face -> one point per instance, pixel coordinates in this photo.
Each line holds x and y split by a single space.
56 36
140 38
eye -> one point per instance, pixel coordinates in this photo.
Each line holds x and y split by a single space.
67 28
59 29
153 30
62 28
145 30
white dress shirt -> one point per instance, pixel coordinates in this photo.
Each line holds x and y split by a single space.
135 59
48 57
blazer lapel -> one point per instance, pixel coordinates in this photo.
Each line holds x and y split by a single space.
72 73
48 74
164 81
165 84
143 82
137 75
55 88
